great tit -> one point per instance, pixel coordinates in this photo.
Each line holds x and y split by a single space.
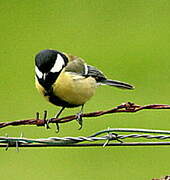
67 81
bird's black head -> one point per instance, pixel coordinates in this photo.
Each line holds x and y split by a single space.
48 65
45 60
50 61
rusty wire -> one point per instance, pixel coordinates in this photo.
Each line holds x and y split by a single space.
123 108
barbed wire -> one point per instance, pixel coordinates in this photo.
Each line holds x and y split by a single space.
108 137
125 107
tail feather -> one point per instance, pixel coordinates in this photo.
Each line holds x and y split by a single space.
117 84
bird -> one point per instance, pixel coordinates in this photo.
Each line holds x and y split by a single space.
66 80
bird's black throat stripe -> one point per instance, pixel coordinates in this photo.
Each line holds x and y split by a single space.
49 80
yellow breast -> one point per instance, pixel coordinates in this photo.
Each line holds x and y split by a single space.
73 88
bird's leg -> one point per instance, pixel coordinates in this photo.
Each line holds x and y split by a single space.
57 116
79 117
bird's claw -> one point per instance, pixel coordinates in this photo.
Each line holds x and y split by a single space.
79 120
57 128
46 120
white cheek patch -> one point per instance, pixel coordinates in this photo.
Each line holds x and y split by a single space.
59 62
38 72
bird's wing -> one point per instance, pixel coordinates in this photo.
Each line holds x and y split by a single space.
78 66
95 73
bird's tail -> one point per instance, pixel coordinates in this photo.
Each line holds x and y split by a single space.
116 84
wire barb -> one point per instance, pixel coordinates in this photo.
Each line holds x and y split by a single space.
111 136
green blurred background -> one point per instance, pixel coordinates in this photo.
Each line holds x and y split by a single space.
129 40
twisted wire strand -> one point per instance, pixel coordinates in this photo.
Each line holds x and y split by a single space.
91 140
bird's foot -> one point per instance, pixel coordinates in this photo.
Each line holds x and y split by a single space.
56 117
45 121
79 119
